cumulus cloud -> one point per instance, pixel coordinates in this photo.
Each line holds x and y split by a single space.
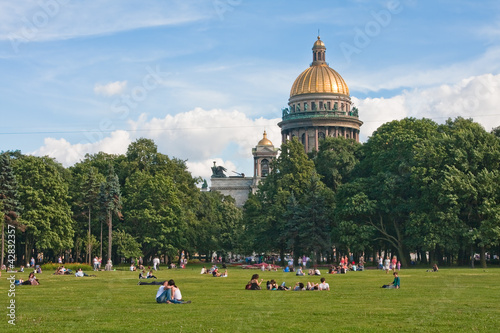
198 136
204 134
69 154
110 89
476 97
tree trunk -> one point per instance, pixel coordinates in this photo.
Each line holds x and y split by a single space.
282 257
110 234
101 241
483 257
89 247
3 241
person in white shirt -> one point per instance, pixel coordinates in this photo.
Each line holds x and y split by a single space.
156 263
323 285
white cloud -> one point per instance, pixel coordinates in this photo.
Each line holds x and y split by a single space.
69 154
476 97
199 136
110 89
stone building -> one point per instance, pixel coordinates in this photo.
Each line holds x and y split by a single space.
240 186
319 105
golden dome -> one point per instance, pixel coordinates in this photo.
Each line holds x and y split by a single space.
319 43
265 141
319 79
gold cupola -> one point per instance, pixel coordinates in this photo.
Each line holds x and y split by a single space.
319 77
265 141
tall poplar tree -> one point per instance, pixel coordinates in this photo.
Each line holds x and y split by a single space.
111 203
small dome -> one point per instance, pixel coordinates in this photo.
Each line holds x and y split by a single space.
319 44
265 141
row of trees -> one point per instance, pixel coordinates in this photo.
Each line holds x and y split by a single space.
142 203
414 186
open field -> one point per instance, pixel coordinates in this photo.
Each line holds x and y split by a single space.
452 300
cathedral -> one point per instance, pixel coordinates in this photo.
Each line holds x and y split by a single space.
319 106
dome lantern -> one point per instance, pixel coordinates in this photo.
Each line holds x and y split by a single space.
319 51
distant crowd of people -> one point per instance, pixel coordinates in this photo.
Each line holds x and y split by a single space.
255 284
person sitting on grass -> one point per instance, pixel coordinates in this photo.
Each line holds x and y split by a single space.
150 275
32 280
224 274
435 268
203 270
286 269
323 285
165 294
132 268
299 272
396 284
143 275
255 283
317 272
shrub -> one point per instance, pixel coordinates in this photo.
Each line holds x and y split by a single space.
74 267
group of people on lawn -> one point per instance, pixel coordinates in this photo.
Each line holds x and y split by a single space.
255 284
214 271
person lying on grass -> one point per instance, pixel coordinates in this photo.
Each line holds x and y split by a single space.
81 273
396 284
150 275
272 285
166 294
152 283
299 286
312 286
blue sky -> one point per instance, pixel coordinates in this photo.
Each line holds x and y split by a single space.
204 79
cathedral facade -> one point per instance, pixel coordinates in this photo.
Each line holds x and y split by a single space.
319 106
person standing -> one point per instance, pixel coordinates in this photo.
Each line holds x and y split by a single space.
387 264
156 263
394 263
32 262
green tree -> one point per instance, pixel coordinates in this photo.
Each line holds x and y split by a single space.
154 213
291 173
127 246
336 159
44 194
461 171
10 206
387 191
111 202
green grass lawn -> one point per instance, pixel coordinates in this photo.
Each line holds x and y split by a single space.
452 300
